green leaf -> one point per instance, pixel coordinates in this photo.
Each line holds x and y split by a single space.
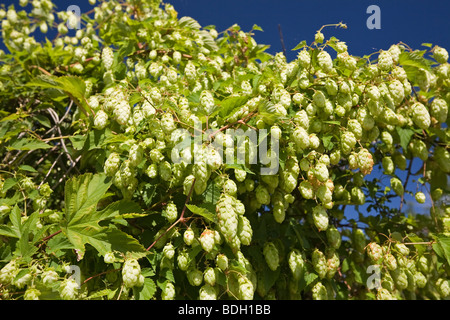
405 135
28 168
228 105
82 220
201 212
8 184
302 44
8 231
188 22
444 243
147 291
257 28
28 144
82 194
73 86
78 141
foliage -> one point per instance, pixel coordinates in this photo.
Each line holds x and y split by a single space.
93 176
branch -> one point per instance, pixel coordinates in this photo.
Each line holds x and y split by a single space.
180 219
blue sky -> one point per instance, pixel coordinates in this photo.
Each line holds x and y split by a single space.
410 21
413 22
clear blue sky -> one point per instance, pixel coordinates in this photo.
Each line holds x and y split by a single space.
411 21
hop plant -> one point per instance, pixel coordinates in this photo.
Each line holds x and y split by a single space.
325 62
107 58
348 141
397 186
296 264
171 212
420 115
271 255
320 217
439 110
207 240
222 262
207 292
131 273
319 291
246 289
333 237
319 263
68 289
420 197
385 61
31 294
440 54
375 252
195 277
100 120
168 292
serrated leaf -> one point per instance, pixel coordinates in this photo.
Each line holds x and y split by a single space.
188 22
202 212
302 44
82 220
444 242
405 135
8 184
228 105
73 86
28 144
146 292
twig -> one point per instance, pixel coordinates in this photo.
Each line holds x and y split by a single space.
281 39
406 182
180 219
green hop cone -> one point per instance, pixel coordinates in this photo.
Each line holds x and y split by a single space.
402 249
442 157
443 287
170 212
222 262
400 278
296 264
333 262
168 293
420 197
320 218
207 240
333 237
207 292
439 110
359 240
245 288
397 186
245 231
31 294
440 54
306 189
319 291
384 294
420 115
319 263
375 252
388 165
131 273
209 275
271 255
68 289
195 277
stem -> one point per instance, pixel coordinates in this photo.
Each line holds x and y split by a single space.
181 218
406 182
